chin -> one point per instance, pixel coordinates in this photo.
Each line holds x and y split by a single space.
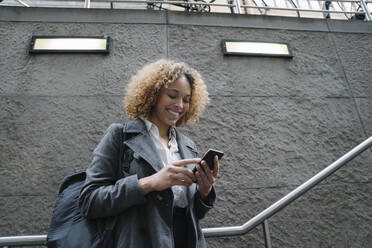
172 123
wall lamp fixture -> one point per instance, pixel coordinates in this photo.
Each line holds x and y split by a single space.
70 44
256 48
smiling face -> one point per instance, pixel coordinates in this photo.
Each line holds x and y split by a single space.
172 103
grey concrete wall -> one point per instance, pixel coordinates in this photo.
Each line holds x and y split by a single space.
279 121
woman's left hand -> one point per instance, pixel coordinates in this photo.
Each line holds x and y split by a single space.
206 177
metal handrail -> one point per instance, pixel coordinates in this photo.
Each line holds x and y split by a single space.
23 3
365 9
170 2
293 195
30 240
261 218
297 9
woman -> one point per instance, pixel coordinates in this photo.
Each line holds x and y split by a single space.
141 171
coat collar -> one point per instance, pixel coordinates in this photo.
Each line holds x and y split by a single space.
139 140
186 147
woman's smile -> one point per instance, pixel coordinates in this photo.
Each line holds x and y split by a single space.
175 114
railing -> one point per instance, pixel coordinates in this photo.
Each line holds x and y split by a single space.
335 9
261 218
31 240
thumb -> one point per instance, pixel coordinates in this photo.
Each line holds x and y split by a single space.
184 162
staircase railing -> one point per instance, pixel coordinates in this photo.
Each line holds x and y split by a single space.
261 218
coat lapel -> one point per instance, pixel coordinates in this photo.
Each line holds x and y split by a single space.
142 144
187 150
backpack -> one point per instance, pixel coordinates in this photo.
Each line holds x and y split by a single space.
68 227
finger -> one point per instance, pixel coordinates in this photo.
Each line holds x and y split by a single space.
184 162
179 179
199 179
184 183
205 166
208 172
183 180
185 171
203 179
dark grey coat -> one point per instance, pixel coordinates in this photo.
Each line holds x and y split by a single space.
111 189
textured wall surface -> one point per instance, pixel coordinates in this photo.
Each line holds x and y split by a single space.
279 121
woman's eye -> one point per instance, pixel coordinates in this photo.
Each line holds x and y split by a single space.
186 100
172 96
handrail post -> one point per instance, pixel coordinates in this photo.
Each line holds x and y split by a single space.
238 9
266 231
365 9
87 4
23 3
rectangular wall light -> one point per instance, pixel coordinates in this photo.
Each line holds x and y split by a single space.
256 48
70 44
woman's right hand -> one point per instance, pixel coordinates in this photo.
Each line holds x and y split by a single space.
168 176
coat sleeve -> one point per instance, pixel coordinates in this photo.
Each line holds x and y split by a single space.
203 206
103 194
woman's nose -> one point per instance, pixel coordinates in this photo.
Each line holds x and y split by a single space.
179 103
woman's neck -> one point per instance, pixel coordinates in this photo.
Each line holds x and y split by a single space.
163 129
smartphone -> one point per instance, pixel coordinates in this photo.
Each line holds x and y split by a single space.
209 158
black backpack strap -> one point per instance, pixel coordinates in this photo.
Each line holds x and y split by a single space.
110 222
122 147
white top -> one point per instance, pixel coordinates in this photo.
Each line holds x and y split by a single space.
167 156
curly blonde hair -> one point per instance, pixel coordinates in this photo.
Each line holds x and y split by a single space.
144 87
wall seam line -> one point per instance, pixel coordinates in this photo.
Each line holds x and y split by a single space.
349 87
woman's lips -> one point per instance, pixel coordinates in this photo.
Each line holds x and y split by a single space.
175 114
